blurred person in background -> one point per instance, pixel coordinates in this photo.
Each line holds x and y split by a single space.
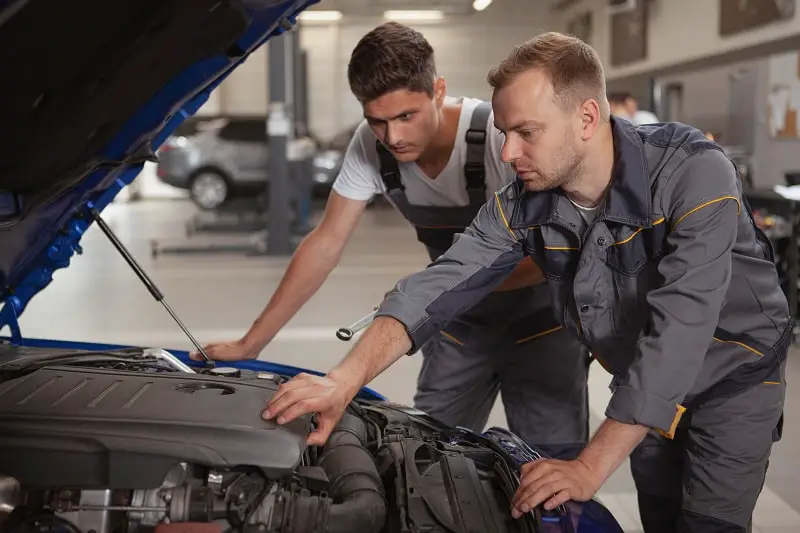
625 105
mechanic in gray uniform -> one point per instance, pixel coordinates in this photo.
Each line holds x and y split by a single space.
437 160
654 263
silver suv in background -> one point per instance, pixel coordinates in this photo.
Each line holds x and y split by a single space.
218 159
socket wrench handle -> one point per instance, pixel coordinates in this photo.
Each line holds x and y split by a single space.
345 334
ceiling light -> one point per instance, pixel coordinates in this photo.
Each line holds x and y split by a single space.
414 14
320 16
480 5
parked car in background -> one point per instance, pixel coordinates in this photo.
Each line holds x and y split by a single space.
221 158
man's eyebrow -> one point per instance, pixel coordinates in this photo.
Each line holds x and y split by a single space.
404 112
526 124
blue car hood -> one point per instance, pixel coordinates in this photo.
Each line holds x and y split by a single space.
106 83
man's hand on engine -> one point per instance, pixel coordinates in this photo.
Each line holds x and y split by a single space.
306 394
237 350
552 482
384 342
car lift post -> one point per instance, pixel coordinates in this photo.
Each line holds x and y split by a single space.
303 175
280 132
278 238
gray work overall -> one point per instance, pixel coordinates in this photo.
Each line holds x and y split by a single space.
509 343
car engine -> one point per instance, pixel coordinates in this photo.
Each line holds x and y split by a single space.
135 441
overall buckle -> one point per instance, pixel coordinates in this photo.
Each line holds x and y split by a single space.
475 136
474 174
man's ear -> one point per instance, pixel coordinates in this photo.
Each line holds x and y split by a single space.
439 91
590 118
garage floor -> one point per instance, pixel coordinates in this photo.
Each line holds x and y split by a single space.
100 299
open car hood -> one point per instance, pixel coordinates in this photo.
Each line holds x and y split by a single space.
106 83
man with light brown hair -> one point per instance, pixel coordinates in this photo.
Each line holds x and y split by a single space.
654 263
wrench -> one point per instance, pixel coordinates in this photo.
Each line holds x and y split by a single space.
345 334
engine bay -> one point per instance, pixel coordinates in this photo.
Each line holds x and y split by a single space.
136 441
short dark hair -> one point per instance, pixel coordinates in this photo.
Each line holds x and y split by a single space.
618 97
574 67
391 57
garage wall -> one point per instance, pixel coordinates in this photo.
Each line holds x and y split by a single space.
244 91
774 157
706 96
678 31
468 46
707 105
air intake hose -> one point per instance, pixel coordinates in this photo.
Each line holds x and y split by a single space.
356 500
356 488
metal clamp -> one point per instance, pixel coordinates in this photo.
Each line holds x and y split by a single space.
345 334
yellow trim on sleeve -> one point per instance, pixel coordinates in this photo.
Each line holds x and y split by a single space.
502 214
675 421
706 204
772 383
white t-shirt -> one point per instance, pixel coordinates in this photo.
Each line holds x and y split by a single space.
360 179
643 116
588 214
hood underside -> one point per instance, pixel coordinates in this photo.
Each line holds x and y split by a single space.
92 88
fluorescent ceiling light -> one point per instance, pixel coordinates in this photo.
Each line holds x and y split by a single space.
480 5
414 14
320 16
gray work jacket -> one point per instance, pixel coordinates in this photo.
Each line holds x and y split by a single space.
672 287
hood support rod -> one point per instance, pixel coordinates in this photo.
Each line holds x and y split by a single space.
151 286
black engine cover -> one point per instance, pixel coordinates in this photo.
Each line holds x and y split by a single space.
68 427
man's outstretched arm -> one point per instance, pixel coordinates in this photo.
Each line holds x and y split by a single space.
478 262
416 309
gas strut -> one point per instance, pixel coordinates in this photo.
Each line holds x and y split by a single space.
345 334
151 286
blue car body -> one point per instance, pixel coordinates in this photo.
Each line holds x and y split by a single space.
41 232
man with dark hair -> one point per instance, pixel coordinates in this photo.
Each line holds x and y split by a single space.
626 106
618 102
437 160
391 57
654 262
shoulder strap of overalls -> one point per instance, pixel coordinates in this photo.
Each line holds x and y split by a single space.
474 168
390 172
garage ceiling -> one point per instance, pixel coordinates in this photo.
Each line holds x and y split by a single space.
366 8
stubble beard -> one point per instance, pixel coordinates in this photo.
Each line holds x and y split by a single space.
567 169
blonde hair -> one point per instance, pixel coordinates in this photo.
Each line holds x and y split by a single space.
573 66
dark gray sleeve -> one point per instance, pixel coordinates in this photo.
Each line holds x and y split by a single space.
701 203
479 260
